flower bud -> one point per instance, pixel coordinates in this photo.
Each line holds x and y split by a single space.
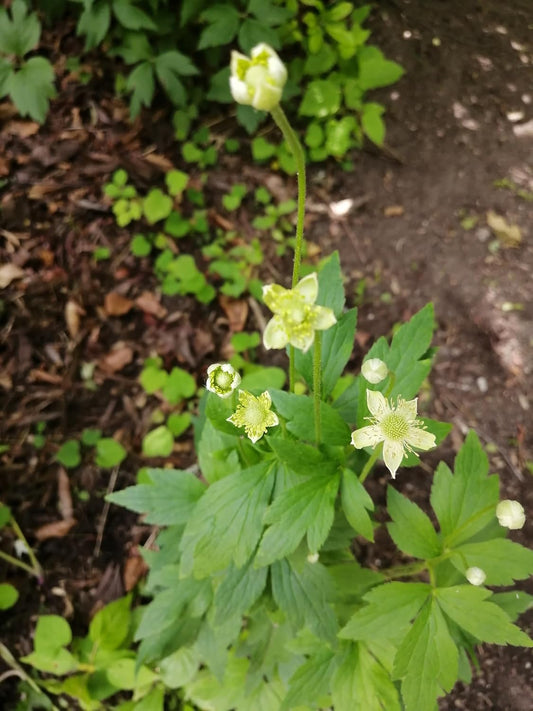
257 80
374 370
510 514
312 558
222 379
475 575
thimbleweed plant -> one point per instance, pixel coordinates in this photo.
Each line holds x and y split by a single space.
260 598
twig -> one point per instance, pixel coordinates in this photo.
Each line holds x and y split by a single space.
103 518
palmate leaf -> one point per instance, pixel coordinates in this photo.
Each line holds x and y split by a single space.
238 591
310 681
356 503
31 88
465 502
307 508
303 592
20 34
227 522
502 560
469 608
301 458
299 413
141 83
223 24
426 661
411 529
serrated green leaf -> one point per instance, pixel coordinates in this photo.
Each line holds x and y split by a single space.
331 284
310 681
299 413
31 88
179 668
223 24
389 610
252 32
465 502
20 34
238 591
427 661
141 83
502 560
372 123
168 500
132 17
469 608
411 529
356 503
307 508
303 593
94 23
110 626
302 458
268 13
227 523
513 603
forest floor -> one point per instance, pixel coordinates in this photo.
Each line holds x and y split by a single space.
422 226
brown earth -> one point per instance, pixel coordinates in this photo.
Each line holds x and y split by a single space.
460 120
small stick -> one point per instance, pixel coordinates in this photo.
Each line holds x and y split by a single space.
103 518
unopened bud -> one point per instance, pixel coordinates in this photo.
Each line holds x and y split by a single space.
374 370
510 514
475 575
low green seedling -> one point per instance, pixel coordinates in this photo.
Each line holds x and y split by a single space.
108 452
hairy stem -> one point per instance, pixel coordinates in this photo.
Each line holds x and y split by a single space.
370 463
317 383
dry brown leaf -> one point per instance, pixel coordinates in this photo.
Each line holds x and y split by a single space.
73 311
135 568
63 495
508 235
23 129
4 167
117 305
8 273
119 357
150 304
56 529
236 310
159 161
39 190
394 211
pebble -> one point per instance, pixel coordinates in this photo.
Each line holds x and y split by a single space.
482 384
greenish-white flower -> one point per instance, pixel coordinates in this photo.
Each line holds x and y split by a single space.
296 316
475 576
254 414
257 80
374 370
510 514
222 379
396 426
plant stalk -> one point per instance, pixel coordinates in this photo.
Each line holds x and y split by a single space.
317 384
370 463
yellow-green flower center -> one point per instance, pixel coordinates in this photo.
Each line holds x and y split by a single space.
394 426
255 414
223 379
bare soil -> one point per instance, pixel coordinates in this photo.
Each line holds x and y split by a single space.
458 122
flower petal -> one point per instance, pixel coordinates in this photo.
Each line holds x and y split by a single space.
237 62
323 318
271 419
239 91
273 295
308 288
407 408
366 437
419 438
275 334
303 339
377 404
277 70
266 96
265 400
392 455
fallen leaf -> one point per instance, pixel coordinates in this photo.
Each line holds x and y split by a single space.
159 161
56 529
150 304
508 235
236 310
8 273
73 311
23 129
135 568
63 495
119 357
117 305
394 211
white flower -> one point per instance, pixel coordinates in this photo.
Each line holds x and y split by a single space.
397 427
254 414
257 80
222 379
475 575
296 318
313 558
374 370
510 514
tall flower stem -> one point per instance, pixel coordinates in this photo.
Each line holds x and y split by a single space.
299 156
317 383
370 463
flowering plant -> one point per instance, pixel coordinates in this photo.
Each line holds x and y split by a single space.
260 597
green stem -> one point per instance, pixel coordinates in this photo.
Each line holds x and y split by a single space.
392 381
317 384
37 570
19 564
370 463
299 156
404 571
